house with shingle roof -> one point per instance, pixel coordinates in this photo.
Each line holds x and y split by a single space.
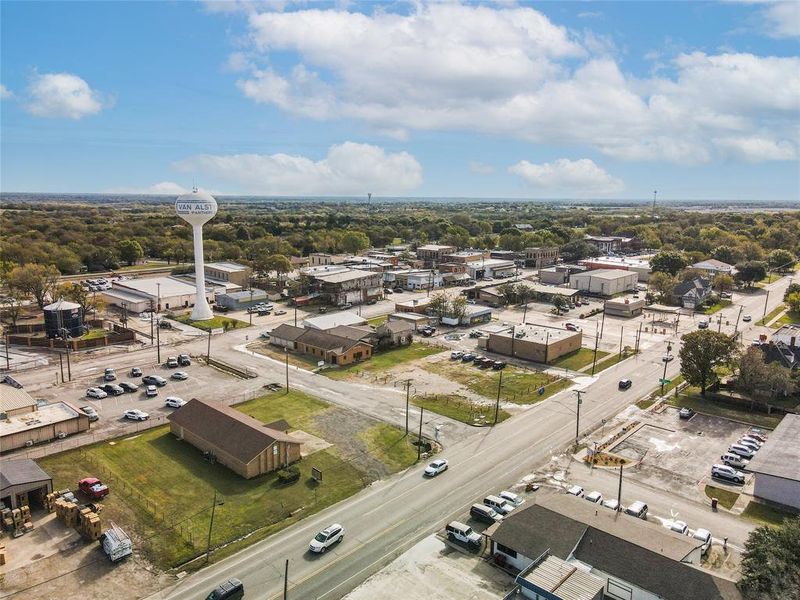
243 444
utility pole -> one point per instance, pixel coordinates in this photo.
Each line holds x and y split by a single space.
151 322
513 337
525 313
286 351
65 335
594 359
619 490
158 342
408 398
61 365
719 323
295 315
286 578
211 524
419 442
603 321
621 333
547 346
766 301
664 377
578 415
655 193
497 404
736 329
8 359
638 337
208 351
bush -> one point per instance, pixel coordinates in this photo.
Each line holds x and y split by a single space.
289 475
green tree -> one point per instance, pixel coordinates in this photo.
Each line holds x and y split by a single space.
668 261
75 292
781 260
354 242
701 353
662 284
35 280
750 272
793 287
578 250
508 291
274 262
771 562
458 307
752 371
726 254
560 302
439 305
723 282
779 381
130 251
793 302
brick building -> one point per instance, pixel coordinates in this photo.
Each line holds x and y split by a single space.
535 343
431 254
543 256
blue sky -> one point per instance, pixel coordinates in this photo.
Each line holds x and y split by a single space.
532 100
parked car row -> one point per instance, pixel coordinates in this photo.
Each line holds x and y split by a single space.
495 507
479 361
636 509
737 457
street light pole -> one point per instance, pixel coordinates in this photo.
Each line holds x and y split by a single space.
497 404
286 351
578 416
766 301
419 439
664 377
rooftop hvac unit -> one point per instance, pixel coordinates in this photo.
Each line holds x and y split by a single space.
61 435
29 443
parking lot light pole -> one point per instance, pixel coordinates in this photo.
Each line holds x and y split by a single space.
664 377
619 490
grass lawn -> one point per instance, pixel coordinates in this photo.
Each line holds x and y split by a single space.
94 334
519 385
694 400
578 359
771 315
459 408
610 362
385 359
162 488
215 322
710 310
726 498
645 403
765 515
375 321
788 318
390 445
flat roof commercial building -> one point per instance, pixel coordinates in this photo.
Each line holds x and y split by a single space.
242 299
492 267
777 465
23 483
624 307
534 342
604 282
24 423
349 286
466 256
245 445
431 254
540 257
160 293
637 265
228 272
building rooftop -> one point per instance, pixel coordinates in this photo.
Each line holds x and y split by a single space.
625 301
149 286
607 274
62 304
285 331
563 579
327 341
780 456
434 248
344 276
20 471
228 267
12 398
536 287
352 332
467 253
49 414
325 322
228 429
497 263
636 263
244 295
713 264
539 333
409 316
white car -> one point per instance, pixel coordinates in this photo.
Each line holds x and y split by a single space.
746 319
667 357
727 473
179 375
576 490
326 538
151 391
136 415
94 392
512 498
612 504
175 402
436 467
595 497
703 535
679 527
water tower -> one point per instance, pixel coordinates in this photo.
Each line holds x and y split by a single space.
197 208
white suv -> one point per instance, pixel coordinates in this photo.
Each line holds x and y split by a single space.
728 473
326 538
94 392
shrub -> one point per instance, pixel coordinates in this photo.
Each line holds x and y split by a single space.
289 475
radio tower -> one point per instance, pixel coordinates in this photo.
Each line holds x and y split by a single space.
655 193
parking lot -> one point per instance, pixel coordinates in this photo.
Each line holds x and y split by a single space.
676 454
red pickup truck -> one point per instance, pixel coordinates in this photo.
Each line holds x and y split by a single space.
93 487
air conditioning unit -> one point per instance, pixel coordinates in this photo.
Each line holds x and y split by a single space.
29 443
61 435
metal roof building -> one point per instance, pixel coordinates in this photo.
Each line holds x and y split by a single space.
777 465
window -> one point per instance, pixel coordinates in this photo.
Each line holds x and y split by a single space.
507 551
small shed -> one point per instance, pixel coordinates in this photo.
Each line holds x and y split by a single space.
23 482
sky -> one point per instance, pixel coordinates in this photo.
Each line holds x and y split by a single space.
698 100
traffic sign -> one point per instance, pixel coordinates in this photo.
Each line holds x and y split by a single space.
665 381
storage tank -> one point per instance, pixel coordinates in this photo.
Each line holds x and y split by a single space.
63 315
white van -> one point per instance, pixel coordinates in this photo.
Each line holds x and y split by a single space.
703 535
463 533
742 451
501 505
638 510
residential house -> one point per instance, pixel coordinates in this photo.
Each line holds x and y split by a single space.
784 347
394 333
629 558
692 293
332 349
243 444
712 267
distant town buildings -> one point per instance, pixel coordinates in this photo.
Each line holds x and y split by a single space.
613 243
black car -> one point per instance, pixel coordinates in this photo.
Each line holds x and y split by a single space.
113 389
184 360
625 384
233 589
486 363
136 372
128 387
154 380
499 364
397 290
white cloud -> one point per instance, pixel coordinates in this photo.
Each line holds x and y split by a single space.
480 168
575 177
62 95
348 168
164 188
512 72
757 149
782 19
5 93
